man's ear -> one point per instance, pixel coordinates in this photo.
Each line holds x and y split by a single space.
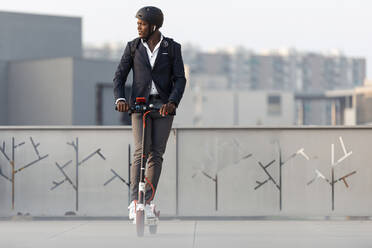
154 28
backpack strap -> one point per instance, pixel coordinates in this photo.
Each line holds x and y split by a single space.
133 46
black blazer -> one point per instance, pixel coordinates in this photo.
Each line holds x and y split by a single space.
168 76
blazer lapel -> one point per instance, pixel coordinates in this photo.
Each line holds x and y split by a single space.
162 49
143 53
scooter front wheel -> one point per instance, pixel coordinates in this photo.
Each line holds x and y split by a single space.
140 222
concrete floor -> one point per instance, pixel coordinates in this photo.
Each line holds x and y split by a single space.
179 233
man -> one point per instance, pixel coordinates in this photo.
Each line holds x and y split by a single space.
158 75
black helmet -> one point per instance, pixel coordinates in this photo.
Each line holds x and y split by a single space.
152 15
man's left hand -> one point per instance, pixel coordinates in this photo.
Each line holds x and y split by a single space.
167 109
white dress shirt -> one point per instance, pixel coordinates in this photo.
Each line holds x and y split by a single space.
152 57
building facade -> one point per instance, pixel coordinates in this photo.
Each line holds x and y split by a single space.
44 79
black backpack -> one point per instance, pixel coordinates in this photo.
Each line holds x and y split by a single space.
134 44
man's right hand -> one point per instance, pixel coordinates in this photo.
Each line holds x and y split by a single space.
122 106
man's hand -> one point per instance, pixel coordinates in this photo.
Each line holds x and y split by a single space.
122 106
167 109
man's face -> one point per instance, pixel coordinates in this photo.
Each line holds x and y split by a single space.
143 28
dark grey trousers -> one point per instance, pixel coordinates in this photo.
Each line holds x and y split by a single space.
157 133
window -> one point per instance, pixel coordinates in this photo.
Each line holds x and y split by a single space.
274 105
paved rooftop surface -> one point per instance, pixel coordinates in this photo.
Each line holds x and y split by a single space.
181 233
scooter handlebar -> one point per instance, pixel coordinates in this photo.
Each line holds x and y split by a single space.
142 109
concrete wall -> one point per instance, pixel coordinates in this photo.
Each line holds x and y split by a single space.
3 93
87 73
109 115
33 185
227 108
206 171
217 108
60 91
186 110
40 92
221 152
253 108
30 36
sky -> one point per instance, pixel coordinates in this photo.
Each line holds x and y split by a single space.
312 25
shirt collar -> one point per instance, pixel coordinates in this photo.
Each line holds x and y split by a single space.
157 45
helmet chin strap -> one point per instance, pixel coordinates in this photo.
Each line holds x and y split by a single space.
150 34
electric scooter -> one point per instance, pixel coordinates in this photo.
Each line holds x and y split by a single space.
141 218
